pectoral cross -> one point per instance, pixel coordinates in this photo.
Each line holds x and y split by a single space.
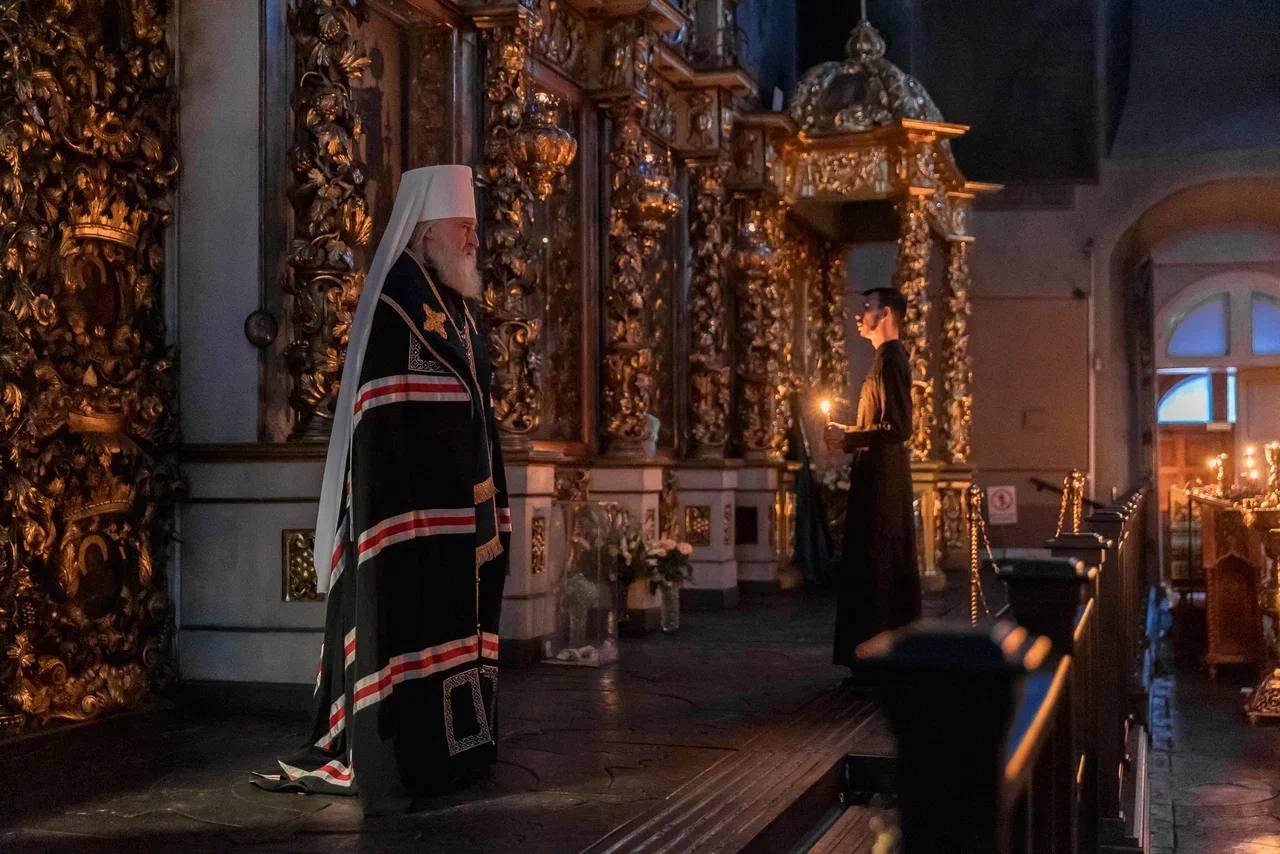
434 321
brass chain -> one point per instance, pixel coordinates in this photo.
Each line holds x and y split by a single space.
977 528
1073 500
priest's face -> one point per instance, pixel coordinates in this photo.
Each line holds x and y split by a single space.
451 246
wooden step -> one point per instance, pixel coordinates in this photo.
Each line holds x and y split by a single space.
777 778
851 833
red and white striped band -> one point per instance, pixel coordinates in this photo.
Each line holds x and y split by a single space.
337 722
504 520
333 772
401 388
415 523
418 665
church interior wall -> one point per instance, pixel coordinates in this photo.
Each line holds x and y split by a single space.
1041 254
219 257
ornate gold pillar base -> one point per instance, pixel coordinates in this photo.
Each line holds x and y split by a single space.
1264 701
953 529
637 486
925 478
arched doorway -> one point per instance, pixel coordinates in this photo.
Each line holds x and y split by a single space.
1198 309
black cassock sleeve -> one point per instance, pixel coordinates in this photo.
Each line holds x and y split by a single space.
893 426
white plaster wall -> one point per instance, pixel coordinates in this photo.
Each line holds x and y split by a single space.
218 218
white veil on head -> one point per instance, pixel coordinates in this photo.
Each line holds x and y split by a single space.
432 192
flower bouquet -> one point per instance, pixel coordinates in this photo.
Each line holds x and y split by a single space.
669 568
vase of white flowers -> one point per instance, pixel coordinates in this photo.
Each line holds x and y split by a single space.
669 568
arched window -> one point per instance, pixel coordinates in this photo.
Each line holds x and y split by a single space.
1202 331
1229 319
1189 401
1265 322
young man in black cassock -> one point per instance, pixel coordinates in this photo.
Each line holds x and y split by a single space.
879 587
413 524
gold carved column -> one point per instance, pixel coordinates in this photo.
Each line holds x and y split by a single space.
957 368
708 307
912 279
88 420
833 370
330 211
761 336
641 205
957 403
510 297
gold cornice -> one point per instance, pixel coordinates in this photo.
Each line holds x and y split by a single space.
769 120
672 67
663 14
981 188
507 14
734 80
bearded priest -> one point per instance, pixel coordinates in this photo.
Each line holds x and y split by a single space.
413 524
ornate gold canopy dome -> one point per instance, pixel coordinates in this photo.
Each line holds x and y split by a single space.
860 93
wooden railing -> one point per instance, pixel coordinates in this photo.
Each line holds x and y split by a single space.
1030 736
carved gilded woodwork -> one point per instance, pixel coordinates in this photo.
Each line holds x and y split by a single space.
914 240
782 331
833 371
804 262
540 148
510 300
331 215
708 310
88 421
557 273
298 568
430 113
628 56
728 524
859 173
641 206
703 108
660 119
562 37
697 524
670 525
762 363
957 368
573 484
952 519
538 545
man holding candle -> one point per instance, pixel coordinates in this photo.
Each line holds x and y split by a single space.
879 587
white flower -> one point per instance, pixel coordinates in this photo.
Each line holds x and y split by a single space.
667 544
659 552
684 549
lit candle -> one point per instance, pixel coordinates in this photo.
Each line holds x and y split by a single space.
825 406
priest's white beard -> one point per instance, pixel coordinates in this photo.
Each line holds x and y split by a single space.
456 267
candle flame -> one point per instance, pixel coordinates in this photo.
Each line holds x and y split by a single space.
825 406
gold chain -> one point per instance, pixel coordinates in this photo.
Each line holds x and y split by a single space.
977 527
1072 499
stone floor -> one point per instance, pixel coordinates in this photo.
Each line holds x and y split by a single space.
1214 778
583 750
